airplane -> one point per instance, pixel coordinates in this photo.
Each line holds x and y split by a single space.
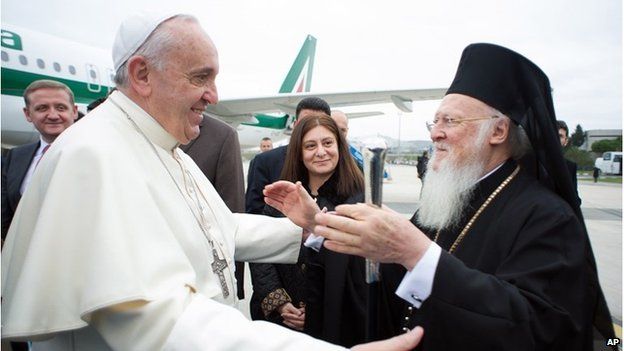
28 55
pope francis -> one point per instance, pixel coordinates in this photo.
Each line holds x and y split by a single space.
120 242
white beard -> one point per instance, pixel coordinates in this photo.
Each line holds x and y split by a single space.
446 192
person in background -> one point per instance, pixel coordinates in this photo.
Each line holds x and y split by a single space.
50 107
266 167
563 131
324 293
342 121
266 144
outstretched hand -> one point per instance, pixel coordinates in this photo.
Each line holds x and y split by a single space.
376 233
403 342
293 201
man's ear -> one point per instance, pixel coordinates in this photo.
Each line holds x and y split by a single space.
27 114
139 75
500 132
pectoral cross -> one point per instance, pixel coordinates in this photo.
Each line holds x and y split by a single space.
218 265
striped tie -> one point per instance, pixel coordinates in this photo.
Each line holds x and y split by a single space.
42 153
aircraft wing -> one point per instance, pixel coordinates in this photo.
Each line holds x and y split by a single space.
243 109
352 115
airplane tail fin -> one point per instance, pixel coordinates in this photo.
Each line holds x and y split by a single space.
299 78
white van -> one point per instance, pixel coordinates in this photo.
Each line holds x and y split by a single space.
610 163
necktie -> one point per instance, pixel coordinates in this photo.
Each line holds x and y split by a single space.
42 153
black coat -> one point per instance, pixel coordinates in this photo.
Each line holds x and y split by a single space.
336 295
264 169
14 168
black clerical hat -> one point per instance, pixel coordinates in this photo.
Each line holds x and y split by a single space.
501 78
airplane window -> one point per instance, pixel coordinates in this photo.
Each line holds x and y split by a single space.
57 66
5 56
72 69
23 60
40 63
92 74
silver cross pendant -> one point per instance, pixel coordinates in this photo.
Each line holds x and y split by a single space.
218 265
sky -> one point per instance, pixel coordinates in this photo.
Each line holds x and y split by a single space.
367 45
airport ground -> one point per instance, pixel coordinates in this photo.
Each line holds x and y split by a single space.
601 206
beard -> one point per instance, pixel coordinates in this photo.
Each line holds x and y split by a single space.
446 192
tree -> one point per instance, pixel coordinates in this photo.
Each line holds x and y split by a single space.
578 137
607 145
582 158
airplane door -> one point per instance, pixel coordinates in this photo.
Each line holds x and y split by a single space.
111 77
93 78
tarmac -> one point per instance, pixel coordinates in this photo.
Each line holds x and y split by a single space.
601 207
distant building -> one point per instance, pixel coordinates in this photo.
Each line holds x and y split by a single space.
592 136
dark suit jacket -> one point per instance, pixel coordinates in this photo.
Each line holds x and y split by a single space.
264 169
217 153
14 168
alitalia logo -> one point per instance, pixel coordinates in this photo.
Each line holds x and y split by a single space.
11 40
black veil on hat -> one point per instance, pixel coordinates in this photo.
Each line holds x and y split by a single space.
510 83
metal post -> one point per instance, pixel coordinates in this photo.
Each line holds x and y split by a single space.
374 153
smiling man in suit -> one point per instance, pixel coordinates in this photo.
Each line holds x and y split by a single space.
51 109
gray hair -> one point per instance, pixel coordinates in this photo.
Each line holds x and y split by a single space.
519 143
517 138
154 49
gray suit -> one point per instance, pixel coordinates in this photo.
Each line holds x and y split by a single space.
217 153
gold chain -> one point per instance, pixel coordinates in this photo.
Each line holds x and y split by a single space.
461 235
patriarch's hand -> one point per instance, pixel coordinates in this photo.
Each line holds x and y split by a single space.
379 234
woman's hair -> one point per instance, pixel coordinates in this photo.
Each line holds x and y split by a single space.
349 177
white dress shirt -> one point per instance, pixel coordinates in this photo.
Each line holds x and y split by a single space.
33 165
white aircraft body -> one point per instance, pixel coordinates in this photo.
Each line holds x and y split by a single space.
28 55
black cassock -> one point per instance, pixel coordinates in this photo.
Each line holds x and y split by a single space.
517 281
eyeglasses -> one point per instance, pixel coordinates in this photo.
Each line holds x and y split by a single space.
450 122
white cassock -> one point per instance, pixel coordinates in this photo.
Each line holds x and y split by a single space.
106 250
